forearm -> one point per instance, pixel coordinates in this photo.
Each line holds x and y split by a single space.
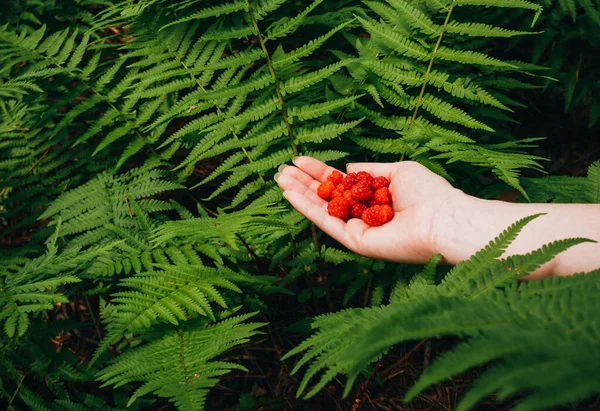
468 224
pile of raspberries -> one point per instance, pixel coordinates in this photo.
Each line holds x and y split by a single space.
358 195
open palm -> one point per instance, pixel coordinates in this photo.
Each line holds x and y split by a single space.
418 196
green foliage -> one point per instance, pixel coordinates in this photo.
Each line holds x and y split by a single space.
500 319
138 140
569 45
179 366
562 189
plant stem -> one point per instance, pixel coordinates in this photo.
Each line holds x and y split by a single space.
368 290
16 391
290 134
275 79
428 72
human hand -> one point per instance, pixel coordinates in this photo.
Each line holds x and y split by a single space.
418 196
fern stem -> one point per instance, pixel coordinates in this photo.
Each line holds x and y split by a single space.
93 316
326 289
12 399
393 369
182 356
430 66
369 287
275 79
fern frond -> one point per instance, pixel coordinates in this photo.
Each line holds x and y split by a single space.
282 59
484 30
519 4
286 26
181 366
455 281
325 132
214 11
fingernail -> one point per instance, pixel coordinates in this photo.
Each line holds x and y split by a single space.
281 167
276 176
294 159
348 165
284 194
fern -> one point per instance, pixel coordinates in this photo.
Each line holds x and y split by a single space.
479 299
559 189
138 141
180 366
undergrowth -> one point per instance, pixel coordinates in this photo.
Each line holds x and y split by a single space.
143 235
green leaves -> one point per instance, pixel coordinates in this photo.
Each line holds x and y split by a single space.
180 366
499 318
149 133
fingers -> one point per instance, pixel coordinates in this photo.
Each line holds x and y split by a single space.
288 182
299 175
313 167
376 169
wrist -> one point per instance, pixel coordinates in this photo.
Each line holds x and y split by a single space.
465 224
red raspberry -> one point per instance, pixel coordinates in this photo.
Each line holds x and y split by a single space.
348 195
350 180
337 193
364 176
382 196
356 208
388 211
379 182
338 207
362 191
378 215
336 177
340 187
325 190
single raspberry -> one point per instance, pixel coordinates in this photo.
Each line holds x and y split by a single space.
337 193
356 209
361 191
364 176
325 190
379 182
382 196
378 215
350 180
388 212
348 195
338 207
336 177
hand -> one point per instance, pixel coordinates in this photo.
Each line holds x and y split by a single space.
433 217
418 196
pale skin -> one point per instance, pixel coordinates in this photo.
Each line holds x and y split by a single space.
434 217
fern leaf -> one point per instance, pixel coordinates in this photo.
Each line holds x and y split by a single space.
285 59
310 111
465 270
414 17
220 10
186 356
394 40
288 25
519 4
447 112
296 84
325 132
484 30
471 57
